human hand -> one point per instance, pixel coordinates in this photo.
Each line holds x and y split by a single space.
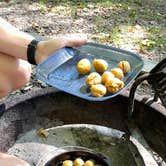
46 48
8 160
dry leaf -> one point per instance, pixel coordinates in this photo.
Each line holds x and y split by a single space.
42 133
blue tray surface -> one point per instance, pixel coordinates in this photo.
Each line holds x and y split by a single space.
59 70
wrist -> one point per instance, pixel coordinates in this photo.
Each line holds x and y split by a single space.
40 52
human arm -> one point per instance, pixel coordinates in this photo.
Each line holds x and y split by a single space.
15 43
8 160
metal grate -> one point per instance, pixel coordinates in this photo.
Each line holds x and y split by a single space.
157 78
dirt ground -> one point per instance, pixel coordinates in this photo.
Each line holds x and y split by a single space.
137 26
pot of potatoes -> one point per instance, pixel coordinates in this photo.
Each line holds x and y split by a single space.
103 81
74 156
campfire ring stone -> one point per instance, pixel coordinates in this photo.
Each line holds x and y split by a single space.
101 139
70 121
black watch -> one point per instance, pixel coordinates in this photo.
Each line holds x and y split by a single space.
31 51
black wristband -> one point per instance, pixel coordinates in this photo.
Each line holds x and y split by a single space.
31 51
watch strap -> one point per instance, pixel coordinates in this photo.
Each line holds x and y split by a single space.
31 51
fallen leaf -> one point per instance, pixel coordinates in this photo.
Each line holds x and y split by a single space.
131 29
42 133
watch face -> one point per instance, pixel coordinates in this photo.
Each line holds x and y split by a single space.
34 43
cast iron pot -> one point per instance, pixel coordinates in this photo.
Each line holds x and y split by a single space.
56 157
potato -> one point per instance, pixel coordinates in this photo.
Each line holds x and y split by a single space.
93 79
114 84
105 76
98 90
124 65
78 162
118 73
100 65
89 163
67 163
83 66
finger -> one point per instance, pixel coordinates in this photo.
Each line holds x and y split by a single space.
75 42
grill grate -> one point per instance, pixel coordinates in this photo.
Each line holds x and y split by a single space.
157 78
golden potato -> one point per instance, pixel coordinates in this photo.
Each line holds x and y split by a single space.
89 163
98 90
105 76
93 79
124 65
67 163
84 66
100 65
114 84
118 73
78 162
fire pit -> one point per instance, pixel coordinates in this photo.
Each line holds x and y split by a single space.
102 127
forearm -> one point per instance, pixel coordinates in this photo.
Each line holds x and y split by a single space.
8 160
14 42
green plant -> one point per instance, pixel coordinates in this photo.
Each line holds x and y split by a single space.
42 1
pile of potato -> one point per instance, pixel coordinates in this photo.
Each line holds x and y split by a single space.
103 81
80 162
